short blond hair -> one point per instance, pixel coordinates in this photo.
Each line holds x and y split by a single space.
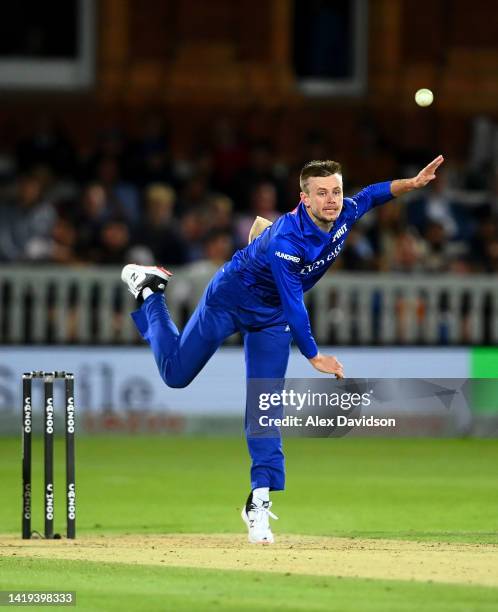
160 192
318 168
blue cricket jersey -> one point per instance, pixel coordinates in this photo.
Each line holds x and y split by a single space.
291 255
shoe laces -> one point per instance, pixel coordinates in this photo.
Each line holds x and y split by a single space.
263 511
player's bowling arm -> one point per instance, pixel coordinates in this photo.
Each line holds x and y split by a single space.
371 196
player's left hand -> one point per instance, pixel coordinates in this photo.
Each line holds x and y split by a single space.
427 174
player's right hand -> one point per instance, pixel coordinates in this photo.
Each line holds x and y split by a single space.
328 365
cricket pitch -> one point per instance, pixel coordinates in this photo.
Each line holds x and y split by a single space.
462 563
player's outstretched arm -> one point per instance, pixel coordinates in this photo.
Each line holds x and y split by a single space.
328 365
425 176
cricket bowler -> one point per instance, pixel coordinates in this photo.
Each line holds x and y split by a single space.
259 293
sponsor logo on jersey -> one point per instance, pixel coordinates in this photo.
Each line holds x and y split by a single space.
287 257
321 262
340 232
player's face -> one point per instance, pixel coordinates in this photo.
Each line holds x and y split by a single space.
324 197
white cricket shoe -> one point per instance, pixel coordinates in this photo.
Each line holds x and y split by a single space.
256 517
139 277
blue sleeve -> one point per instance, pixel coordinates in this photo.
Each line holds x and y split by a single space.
370 197
285 263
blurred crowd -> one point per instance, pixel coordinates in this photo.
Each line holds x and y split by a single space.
130 199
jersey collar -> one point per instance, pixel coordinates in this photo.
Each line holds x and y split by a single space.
310 228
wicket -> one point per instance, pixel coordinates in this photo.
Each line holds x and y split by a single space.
48 434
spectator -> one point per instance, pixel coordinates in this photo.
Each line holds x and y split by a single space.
264 204
486 233
111 144
220 214
89 217
398 248
193 228
491 257
121 195
436 256
26 223
48 216
159 231
54 188
436 205
405 252
194 194
358 254
229 154
217 249
114 243
151 160
64 240
260 169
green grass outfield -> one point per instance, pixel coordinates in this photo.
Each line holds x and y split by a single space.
441 490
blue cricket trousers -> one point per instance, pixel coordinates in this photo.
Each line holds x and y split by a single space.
226 307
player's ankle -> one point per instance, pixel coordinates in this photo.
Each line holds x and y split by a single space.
260 495
146 292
